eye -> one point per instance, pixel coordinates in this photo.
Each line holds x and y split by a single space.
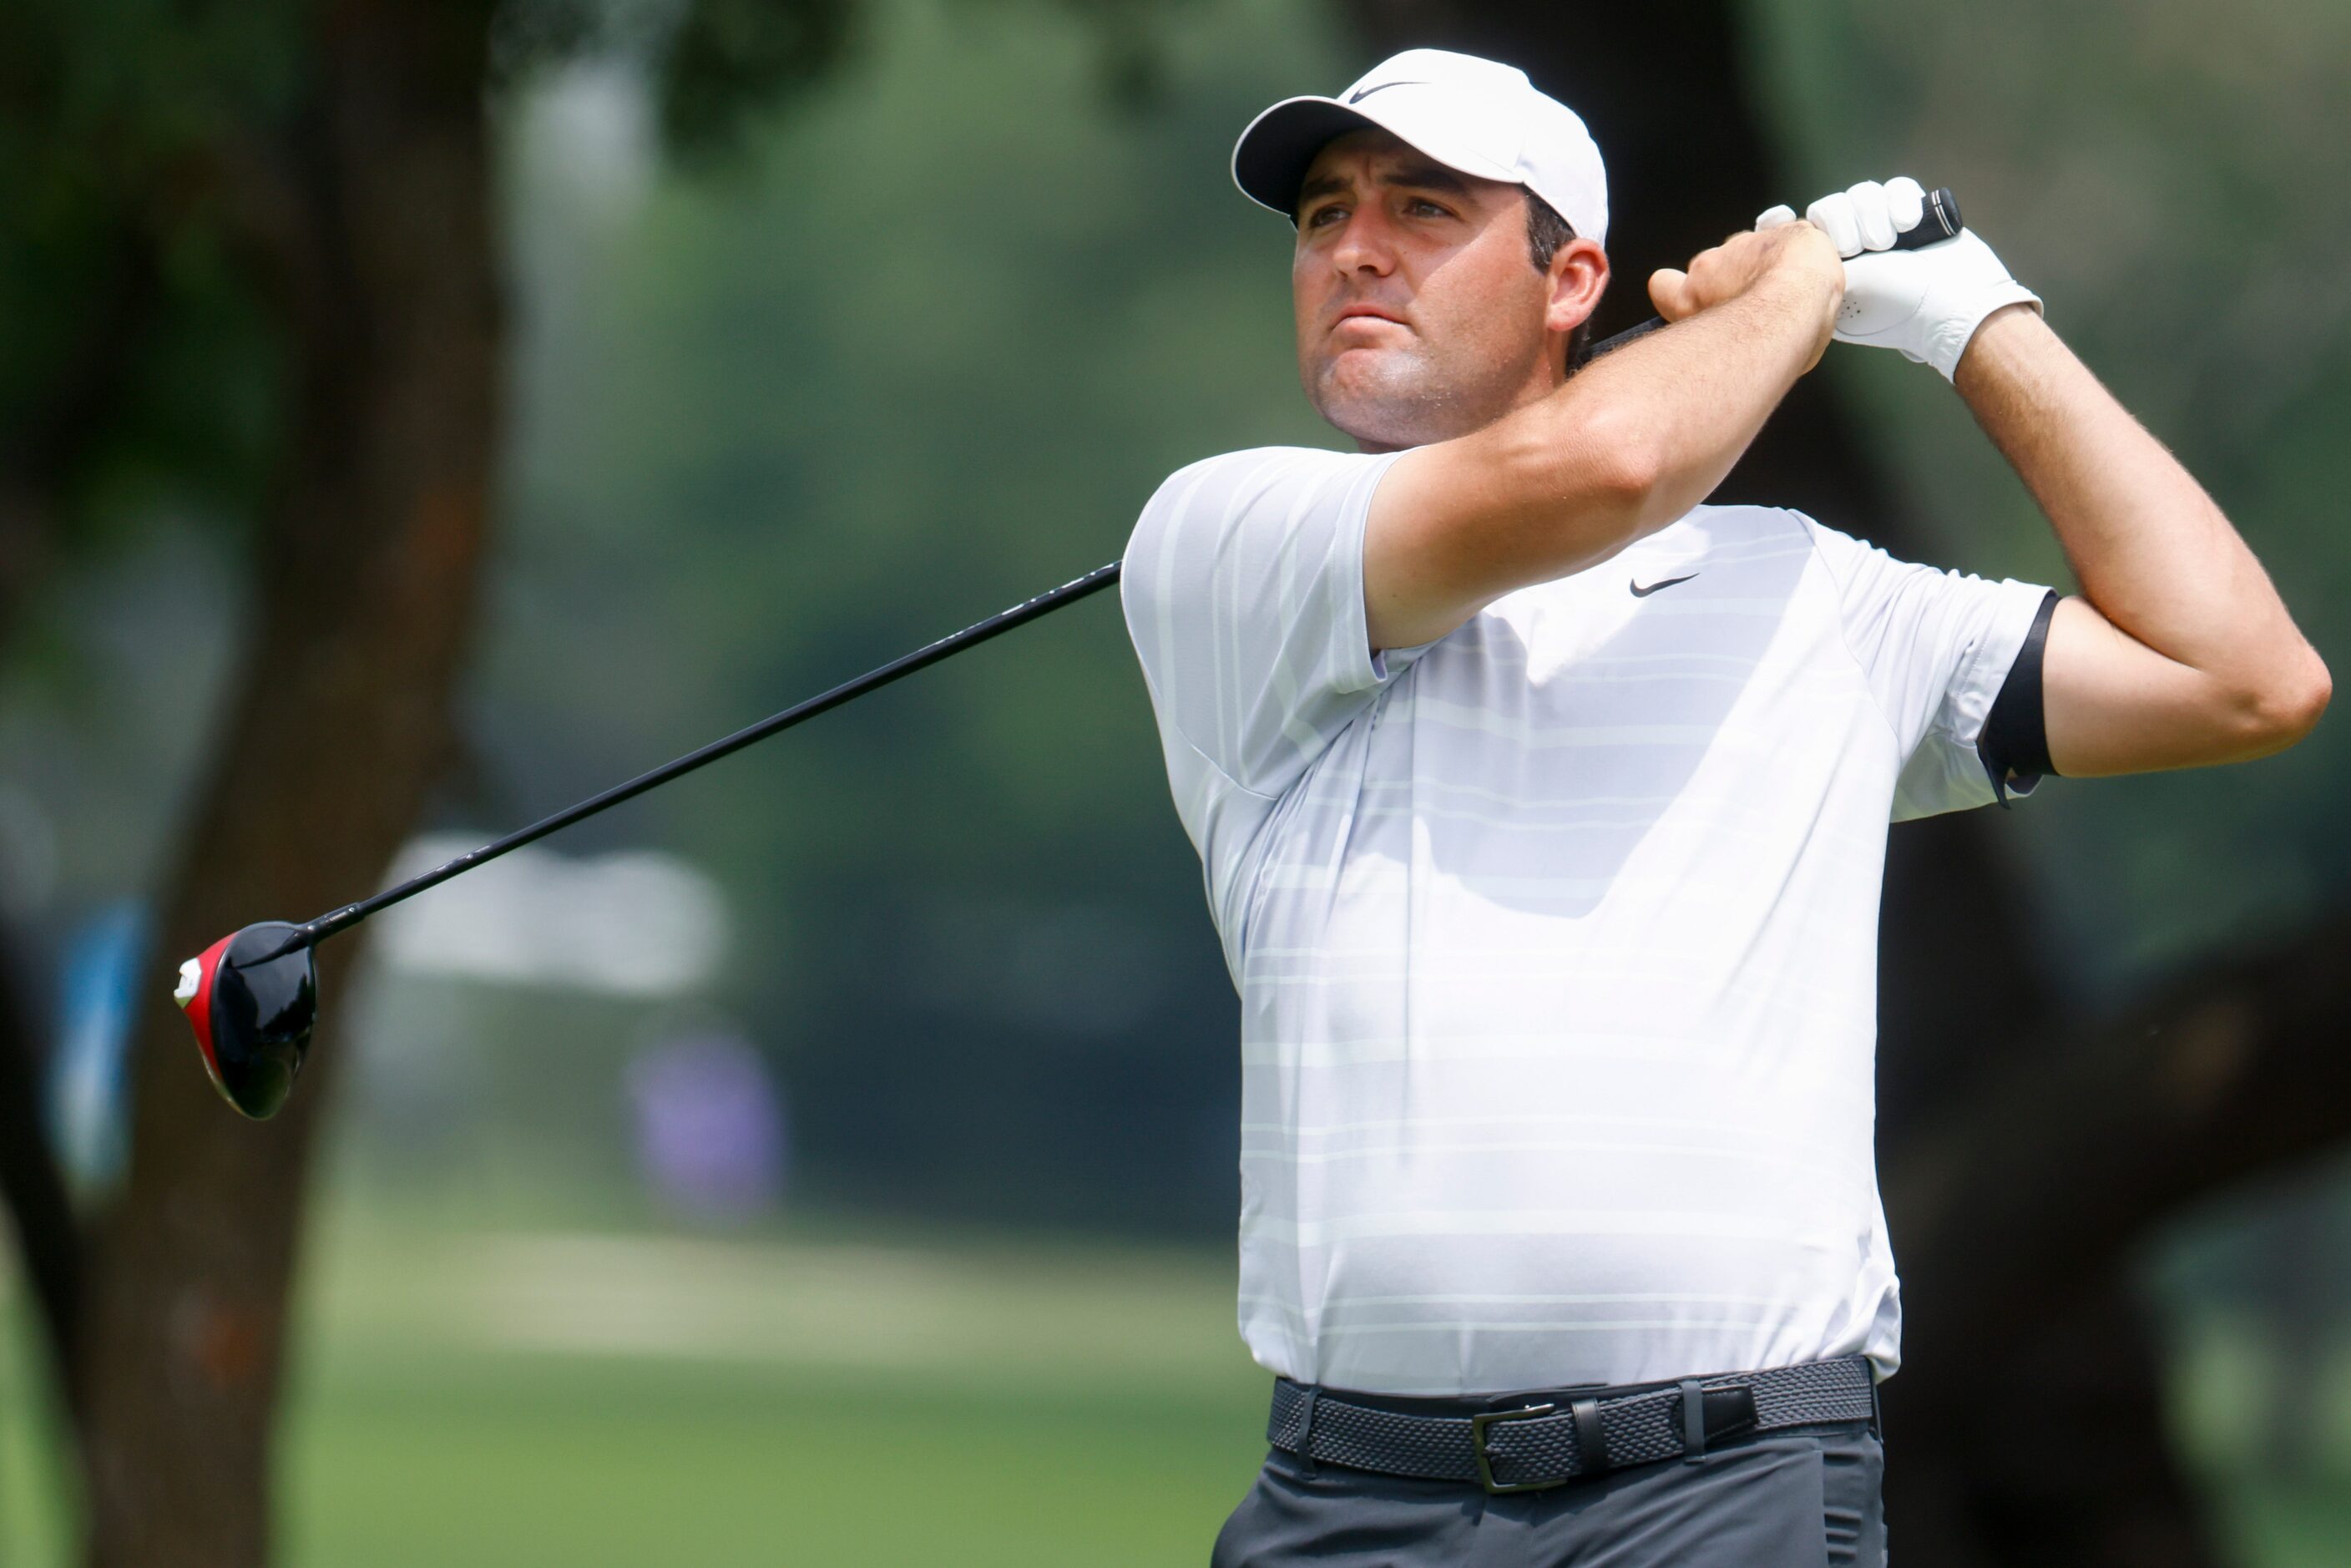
1421 207
1315 219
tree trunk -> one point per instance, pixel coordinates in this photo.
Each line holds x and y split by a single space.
48 1239
2040 1448
374 212
2019 1208
40 460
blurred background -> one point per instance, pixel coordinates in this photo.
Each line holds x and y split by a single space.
415 415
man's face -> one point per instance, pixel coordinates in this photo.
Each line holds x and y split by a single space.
1420 315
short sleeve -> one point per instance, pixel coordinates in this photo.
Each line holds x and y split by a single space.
1935 647
1243 588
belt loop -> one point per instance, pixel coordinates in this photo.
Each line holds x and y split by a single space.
1877 1409
1693 1421
1306 1429
1591 1441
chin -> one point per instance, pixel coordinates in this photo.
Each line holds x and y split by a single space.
1385 405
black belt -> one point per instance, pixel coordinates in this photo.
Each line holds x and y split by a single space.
1553 1439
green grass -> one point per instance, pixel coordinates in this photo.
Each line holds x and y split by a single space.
565 1464
592 1400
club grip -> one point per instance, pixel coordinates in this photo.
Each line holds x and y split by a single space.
1939 223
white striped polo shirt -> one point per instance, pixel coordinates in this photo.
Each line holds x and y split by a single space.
1556 938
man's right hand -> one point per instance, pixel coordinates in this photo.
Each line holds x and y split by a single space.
1797 256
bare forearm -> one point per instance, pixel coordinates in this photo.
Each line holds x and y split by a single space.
2155 556
2151 549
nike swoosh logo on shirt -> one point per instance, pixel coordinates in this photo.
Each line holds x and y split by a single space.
1641 592
1359 97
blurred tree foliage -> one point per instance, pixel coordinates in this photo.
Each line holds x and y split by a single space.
136 367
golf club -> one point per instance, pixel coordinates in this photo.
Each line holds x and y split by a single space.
252 997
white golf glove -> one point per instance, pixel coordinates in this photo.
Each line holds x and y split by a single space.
1927 303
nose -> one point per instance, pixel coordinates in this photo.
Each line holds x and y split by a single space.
1365 245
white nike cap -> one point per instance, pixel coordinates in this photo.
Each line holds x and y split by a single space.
1476 116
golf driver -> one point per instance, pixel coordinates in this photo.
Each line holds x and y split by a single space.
253 997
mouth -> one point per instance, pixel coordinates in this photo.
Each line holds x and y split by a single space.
1366 313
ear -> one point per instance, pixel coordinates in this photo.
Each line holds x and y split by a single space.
1577 277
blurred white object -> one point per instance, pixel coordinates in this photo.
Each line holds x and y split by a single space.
591 127
637 923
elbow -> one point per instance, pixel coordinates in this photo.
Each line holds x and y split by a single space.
1620 460
1595 470
2309 696
2286 707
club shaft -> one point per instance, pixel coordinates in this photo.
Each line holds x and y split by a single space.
1940 221
350 915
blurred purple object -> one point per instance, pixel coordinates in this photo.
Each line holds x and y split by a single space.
710 1126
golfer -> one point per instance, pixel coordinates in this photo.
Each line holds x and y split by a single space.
1544 811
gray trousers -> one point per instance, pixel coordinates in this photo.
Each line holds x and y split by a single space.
1805 1498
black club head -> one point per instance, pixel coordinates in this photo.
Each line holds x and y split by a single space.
252 1014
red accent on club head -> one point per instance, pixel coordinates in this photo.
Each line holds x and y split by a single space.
199 1008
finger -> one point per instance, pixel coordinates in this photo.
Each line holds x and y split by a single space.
1777 216
1669 292
1906 202
1869 212
1833 215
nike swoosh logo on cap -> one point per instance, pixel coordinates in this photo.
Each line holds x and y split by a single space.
1641 592
1358 97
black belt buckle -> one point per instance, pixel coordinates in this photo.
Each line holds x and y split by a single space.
1478 1426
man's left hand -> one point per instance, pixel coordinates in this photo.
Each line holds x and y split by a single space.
1927 303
